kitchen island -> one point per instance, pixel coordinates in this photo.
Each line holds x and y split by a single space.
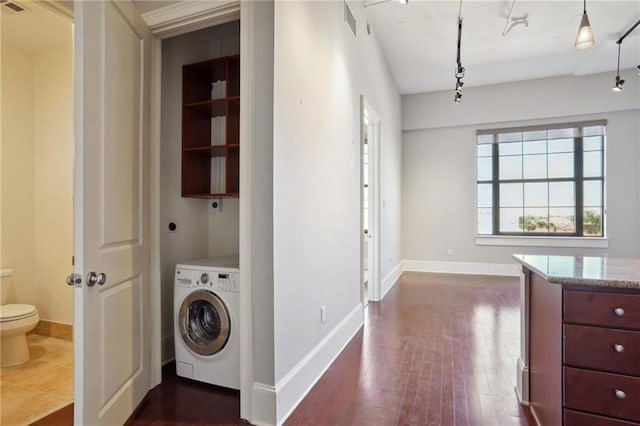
580 348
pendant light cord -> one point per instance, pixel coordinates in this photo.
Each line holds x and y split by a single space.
618 71
584 10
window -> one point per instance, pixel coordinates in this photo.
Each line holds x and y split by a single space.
541 181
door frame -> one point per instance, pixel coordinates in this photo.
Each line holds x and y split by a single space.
369 114
171 21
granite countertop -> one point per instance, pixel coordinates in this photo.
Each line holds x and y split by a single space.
584 270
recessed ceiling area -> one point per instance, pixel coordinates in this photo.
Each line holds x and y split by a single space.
419 40
34 28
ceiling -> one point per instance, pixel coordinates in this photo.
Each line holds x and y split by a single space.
35 28
419 40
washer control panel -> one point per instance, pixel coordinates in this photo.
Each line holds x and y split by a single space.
215 280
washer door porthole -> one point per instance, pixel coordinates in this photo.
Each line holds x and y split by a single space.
204 322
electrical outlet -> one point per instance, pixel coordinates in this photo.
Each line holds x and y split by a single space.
449 252
323 314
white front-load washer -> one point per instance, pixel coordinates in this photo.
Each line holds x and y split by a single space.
207 306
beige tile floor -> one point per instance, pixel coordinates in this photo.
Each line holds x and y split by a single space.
39 387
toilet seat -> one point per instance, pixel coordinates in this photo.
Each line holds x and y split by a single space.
15 312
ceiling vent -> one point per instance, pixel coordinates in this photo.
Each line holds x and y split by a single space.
11 7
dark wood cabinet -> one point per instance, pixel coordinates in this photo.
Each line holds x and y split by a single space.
584 354
601 350
576 418
211 128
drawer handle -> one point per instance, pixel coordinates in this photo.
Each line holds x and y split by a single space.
620 394
618 348
618 311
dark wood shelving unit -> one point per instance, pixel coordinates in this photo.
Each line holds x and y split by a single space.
211 159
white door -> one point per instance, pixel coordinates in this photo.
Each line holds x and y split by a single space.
370 195
367 232
111 210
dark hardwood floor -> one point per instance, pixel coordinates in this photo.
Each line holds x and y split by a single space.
179 401
438 350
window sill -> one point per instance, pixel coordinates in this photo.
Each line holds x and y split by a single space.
504 240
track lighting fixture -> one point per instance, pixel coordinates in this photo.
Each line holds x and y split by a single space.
617 87
512 21
459 72
585 39
404 2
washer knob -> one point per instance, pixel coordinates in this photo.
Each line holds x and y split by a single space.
204 278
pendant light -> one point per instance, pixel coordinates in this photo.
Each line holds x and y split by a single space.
584 40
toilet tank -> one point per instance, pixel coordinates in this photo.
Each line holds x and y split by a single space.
5 284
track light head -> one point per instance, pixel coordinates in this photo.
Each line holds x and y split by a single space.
404 2
618 85
638 68
460 71
458 97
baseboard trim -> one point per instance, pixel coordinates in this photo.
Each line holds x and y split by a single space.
264 405
389 281
522 387
292 389
58 330
469 268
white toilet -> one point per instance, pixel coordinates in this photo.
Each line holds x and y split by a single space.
16 320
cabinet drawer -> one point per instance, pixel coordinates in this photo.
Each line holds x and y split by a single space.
575 418
599 308
595 392
616 351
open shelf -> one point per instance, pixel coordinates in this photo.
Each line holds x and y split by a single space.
211 128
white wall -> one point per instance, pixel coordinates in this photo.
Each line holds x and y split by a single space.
439 160
37 176
53 180
320 72
201 231
17 171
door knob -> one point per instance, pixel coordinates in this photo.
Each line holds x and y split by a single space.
73 279
93 278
